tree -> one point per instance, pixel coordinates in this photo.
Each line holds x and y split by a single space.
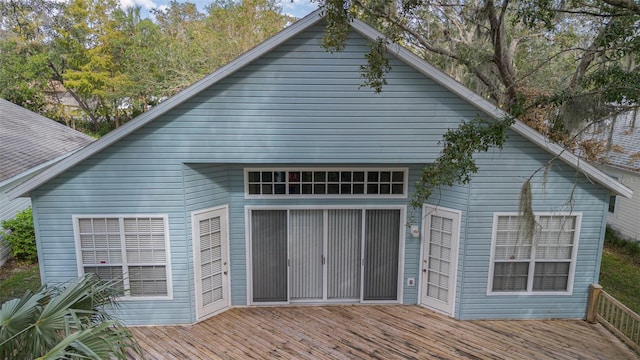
557 65
196 44
65 322
114 63
25 31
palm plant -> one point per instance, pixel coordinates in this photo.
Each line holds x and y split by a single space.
69 322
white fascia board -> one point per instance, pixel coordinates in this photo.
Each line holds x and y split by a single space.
164 107
591 172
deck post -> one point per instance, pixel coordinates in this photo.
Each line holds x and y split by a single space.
592 306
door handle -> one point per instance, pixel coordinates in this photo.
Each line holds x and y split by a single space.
424 270
225 273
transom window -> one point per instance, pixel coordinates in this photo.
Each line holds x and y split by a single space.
130 249
326 182
540 263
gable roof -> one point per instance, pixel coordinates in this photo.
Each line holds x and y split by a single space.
312 19
623 131
29 140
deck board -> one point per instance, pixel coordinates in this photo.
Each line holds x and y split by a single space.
375 332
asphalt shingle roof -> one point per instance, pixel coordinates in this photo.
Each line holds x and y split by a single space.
28 139
624 130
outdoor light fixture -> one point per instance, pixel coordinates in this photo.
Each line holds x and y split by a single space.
415 231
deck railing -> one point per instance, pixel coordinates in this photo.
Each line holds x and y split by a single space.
615 316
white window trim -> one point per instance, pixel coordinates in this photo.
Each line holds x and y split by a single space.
572 265
405 170
248 252
80 264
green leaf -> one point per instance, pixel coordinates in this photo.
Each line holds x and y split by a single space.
455 164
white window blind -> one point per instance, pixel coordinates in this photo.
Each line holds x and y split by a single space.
130 249
542 262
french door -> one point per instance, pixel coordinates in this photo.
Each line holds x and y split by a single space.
325 255
441 229
210 241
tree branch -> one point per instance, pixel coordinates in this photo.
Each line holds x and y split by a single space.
631 5
425 43
588 57
83 105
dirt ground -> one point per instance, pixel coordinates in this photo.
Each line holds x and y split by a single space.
12 267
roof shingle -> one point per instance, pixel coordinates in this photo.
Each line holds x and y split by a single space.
28 139
624 131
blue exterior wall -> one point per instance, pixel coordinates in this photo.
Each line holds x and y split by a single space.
496 188
301 106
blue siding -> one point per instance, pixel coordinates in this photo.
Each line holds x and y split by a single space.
496 188
301 106
238 235
205 186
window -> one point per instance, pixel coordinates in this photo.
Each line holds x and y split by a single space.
133 249
542 263
612 204
326 182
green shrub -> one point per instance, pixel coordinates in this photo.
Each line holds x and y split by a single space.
20 235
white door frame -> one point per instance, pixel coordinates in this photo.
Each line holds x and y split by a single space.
196 216
447 308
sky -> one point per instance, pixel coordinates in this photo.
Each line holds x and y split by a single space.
297 8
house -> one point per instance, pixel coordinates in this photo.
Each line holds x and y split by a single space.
29 143
620 138
276 181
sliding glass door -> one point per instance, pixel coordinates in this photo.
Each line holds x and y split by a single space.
381 254
325 255
306 249
344 239
269 260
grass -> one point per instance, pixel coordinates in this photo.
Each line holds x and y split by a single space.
16 278
620 271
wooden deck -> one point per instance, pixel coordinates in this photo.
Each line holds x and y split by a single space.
382 332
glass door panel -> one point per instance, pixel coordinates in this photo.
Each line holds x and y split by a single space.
269 255
306 233
382 240
344 238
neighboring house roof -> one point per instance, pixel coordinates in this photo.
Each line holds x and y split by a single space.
28 140
368 32
620 136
